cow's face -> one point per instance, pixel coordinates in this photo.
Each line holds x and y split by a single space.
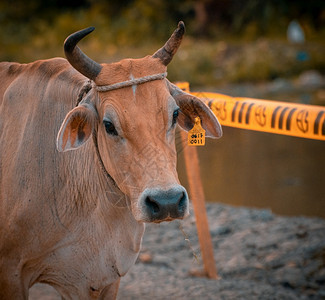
135 129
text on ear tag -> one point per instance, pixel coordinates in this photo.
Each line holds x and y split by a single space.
196 136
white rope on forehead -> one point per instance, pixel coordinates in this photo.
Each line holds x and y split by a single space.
119 85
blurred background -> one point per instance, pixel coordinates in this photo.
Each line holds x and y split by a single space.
269 49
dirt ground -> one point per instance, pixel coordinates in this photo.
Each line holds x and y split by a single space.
259 255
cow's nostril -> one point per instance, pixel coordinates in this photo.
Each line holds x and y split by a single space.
182 204
152 205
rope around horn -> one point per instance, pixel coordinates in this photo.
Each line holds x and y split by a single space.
119 85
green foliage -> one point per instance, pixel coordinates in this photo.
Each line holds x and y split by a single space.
223 40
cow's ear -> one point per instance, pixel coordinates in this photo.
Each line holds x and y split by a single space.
76 128
192 107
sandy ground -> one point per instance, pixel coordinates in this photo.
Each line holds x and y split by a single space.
258 255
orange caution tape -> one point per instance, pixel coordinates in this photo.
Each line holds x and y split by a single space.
306 121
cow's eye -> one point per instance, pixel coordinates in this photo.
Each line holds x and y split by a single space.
110 128
175 116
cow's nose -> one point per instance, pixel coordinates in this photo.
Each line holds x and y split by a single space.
160 205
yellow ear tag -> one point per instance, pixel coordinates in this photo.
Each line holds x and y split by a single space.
196 136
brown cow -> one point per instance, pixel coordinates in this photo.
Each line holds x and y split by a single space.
75 219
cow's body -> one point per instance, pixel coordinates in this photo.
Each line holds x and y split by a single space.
49 205
75 219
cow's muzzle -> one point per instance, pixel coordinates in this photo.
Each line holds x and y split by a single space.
157 205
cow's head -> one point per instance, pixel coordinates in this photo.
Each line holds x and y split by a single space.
134 126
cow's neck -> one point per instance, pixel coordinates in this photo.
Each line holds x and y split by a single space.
114 227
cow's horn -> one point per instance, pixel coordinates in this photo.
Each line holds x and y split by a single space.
166 53
77 58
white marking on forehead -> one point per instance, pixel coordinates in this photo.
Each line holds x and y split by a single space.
134 87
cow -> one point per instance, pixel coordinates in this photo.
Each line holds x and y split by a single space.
87 157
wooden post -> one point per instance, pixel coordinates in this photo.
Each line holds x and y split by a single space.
198 200
197 196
